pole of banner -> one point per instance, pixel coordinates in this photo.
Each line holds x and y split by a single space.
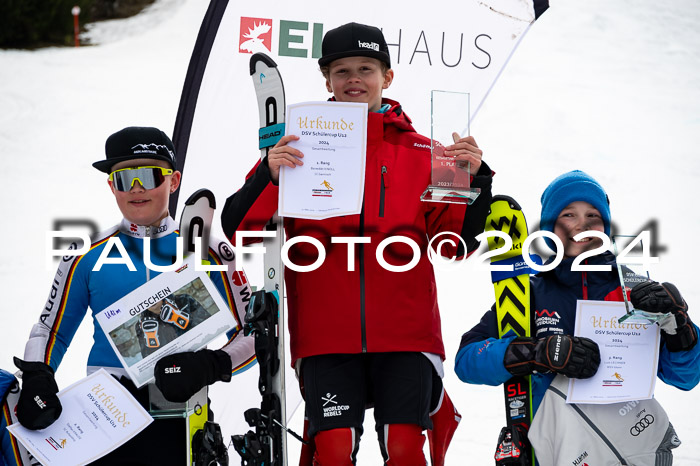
76 26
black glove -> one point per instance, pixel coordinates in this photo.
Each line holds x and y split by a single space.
38 406
576 357
181 375
678 332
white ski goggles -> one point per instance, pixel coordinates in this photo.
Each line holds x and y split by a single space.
150 177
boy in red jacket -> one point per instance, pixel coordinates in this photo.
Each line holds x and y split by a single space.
367 335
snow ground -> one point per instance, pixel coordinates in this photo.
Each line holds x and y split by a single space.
612 88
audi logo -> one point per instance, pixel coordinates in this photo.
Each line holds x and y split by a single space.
643 423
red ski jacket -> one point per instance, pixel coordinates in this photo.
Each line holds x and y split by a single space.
367 308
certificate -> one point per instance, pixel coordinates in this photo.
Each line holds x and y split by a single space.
98 416
629 355
333 139
174 312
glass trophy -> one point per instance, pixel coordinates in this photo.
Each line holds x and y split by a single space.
634 271
449 179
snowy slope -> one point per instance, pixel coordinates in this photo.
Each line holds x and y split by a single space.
612 88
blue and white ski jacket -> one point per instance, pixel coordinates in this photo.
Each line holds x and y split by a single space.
77 287
8 444
553 305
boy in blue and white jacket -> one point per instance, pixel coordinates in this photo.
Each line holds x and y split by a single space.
141 165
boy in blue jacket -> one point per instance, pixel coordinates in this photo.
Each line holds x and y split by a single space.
573 203
141 165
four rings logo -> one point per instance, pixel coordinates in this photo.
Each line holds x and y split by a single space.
643 423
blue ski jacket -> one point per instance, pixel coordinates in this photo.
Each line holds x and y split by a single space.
77 287
553 298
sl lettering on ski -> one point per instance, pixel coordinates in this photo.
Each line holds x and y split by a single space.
301 39
515 389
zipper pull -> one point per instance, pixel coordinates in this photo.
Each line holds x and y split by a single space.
385 178
148 271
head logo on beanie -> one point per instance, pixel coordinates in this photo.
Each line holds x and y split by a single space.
571 187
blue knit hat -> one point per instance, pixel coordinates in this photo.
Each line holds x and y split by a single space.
571 187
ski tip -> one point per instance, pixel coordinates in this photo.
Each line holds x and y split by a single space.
263 58
200 193
502 197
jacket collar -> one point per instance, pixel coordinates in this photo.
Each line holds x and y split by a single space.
564 275
166 226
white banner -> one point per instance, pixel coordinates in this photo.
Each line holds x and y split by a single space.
452 46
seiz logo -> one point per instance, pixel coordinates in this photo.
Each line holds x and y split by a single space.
172 370
39 402
255 35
